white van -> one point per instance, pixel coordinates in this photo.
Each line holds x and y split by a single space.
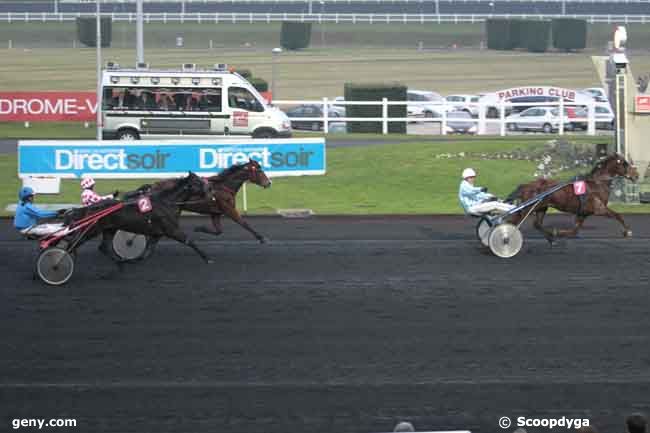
161 103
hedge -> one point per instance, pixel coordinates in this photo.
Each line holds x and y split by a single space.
517 32
260 84
569 34
295 36
245 73
498 34
375 92
537 35
87 31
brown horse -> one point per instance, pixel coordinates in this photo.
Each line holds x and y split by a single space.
223 191
593 202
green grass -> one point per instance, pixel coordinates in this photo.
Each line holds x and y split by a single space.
401 178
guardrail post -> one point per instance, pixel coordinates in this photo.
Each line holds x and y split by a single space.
481 119
325 116
443 124
591 115
561 113
384 116
502 117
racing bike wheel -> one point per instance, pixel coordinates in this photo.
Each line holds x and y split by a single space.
129 246
54 266
483 230
505 240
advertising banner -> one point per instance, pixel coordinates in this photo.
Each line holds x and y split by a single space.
48 106
153 159
642 104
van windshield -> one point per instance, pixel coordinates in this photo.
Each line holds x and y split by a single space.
243 99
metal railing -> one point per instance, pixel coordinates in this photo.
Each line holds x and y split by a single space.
482 124
336 18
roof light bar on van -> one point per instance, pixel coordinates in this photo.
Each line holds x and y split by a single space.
188 67
221 67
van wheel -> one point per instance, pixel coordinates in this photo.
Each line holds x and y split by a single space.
264 133
128 134
547 128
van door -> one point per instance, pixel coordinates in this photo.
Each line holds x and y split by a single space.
246 112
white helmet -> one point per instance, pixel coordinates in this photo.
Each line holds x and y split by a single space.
469 172
87 182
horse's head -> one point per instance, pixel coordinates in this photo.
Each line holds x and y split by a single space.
197 185
615 165
256 174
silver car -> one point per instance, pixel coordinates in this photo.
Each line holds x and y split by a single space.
545 119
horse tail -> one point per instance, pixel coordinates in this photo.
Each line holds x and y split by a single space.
516 194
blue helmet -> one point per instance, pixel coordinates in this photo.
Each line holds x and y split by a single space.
25 192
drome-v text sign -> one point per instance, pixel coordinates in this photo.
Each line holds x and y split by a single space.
47 106
157 159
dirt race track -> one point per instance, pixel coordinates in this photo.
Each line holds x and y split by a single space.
338 325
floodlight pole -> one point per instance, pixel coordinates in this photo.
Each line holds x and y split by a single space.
139 33
98 45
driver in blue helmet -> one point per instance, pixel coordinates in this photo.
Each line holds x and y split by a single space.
27 216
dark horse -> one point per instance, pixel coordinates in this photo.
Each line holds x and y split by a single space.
221 200
161 220
594 202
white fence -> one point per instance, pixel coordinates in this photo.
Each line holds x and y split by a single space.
336 18
483 125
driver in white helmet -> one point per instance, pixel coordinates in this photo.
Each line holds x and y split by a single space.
88 194
476 200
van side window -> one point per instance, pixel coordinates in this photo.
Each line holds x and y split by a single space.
242 99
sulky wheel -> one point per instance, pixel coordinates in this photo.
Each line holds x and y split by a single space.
55 266
129 246
483 230
505 240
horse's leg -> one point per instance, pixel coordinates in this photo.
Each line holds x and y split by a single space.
216 223
236 217
574 231
539 225
178 235
152 241
605 211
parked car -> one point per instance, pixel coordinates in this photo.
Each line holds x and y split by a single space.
463 103
522 103
315 110
428 104
545 119
460 122
603 113
598 93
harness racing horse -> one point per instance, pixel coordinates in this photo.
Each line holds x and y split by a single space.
593 202
223 191
158 218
